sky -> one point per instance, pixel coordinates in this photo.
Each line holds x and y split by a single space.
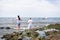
30 8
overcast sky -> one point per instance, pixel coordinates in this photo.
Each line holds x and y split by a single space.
30 8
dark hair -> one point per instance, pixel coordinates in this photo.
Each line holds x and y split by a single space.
19 17
30 18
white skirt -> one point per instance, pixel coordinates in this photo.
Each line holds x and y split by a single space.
18 22
29 26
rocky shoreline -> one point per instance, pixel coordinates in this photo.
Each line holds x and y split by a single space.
33 35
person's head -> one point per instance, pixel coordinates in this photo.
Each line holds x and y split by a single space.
18 17
30 18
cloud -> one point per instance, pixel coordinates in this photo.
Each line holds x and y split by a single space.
55 2
34 8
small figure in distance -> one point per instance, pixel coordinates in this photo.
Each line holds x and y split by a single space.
18 22
30 23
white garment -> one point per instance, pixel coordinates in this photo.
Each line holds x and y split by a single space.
18 21
29 24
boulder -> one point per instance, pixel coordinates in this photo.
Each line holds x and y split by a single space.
7 28
1 27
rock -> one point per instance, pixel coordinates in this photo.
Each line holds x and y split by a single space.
53 36
7 28
1 27
20 39
27 38
41 33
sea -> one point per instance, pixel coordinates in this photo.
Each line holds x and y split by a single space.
37 22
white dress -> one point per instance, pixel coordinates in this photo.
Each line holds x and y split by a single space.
29 24
18 22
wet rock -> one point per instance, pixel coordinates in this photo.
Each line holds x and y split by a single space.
1 27
20 39
27 38
41 33
7 28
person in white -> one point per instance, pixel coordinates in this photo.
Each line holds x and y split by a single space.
30 23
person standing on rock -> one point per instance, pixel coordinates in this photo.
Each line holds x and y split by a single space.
30 23
18 22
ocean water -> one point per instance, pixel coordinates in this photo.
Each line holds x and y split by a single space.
11 22
37 22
